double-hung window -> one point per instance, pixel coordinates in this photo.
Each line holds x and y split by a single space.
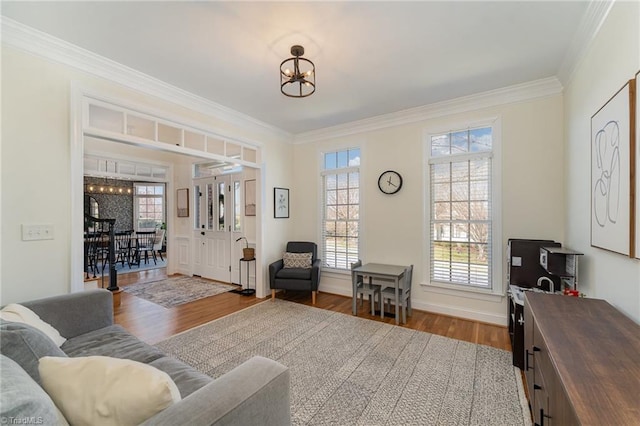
149 205
461 204
340 208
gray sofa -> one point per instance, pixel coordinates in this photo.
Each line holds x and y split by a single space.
254 393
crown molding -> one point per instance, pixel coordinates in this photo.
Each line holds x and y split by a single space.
517 93
38 43
592 20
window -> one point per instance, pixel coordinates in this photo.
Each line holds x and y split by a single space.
461 205
149 206
341 208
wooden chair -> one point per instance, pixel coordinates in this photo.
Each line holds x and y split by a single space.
124 247
144 245
404 295
368 289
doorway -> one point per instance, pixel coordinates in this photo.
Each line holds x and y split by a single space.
216 226
122 123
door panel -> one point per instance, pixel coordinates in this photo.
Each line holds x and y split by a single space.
212 236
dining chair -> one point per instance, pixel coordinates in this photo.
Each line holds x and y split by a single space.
404 295
124 247
144 246
157 244
368 289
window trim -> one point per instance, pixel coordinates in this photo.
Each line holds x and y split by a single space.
321 203
136 196
497 287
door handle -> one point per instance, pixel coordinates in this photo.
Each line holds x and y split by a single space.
201 232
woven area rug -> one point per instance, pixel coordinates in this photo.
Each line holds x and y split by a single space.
176 291
347 370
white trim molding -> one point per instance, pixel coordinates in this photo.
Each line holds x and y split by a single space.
592 20
38 43
512 94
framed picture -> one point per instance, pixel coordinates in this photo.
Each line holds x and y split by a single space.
611 151
183 202
250 197
280 203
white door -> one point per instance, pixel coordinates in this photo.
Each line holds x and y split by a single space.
213 228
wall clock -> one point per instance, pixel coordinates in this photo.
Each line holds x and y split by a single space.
390 182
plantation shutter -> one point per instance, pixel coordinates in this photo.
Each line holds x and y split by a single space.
460 216
340 217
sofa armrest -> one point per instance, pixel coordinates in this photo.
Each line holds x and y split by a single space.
74 314
273 270
254 393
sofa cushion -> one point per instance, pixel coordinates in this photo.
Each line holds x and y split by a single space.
100 390
294 273
26 345
113 341
18 313
297 260
184 376
22 398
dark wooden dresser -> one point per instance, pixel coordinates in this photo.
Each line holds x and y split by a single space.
582 362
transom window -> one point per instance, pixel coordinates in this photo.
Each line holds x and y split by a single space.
341 208
461 202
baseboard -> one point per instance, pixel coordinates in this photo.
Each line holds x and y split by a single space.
456 311
184 271
453 311
334 289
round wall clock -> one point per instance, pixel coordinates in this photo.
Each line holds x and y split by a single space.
390 182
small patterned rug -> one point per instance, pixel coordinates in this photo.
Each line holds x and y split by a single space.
176 291
347 370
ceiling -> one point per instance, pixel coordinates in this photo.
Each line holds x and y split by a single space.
371 58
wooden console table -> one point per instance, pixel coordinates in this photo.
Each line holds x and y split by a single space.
582 362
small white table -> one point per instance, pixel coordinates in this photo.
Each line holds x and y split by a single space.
391 273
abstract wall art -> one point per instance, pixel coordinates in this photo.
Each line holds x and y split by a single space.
611 189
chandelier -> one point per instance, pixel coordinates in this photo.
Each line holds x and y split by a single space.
115 188
297 75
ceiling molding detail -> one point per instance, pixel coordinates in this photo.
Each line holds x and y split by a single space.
594 17
30 40
517 93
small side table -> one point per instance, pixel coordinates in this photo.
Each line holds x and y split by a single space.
246 291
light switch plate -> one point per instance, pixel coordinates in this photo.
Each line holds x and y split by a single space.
37 232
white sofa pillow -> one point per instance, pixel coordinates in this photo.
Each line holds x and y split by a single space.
18 313
104 391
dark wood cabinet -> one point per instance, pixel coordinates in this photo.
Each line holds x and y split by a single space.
582 362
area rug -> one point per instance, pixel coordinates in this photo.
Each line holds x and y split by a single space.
176 291
347 370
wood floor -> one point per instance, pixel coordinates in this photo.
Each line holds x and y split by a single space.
153 323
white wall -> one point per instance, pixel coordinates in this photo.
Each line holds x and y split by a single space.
392 226
613 59
36 186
